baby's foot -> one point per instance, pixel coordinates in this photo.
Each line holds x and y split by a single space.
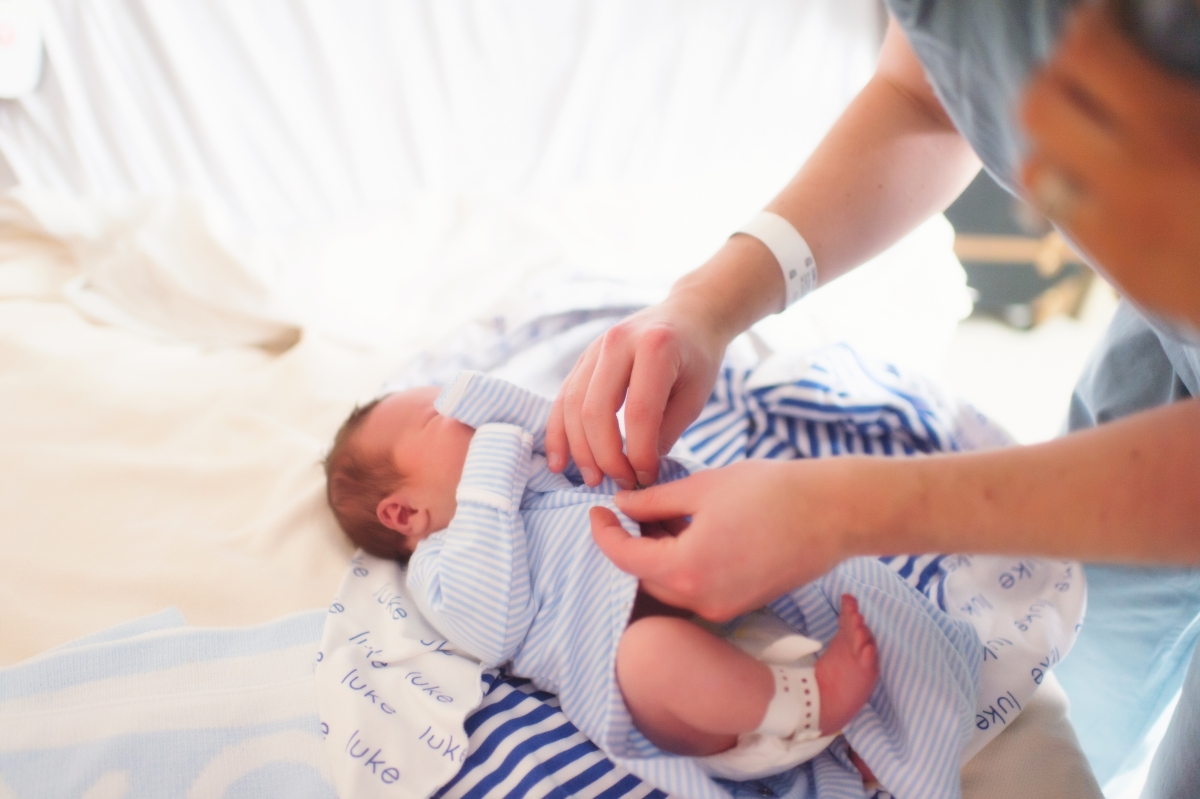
848 669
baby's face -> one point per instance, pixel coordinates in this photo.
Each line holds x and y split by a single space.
426 448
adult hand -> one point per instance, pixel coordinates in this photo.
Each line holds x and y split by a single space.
1115 160
661 363
758 529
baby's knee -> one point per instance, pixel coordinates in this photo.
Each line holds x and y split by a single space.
641 650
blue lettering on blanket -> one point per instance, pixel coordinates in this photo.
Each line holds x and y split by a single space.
369 693
388 775
417 680
998 712
446 746
1026 613
392 601
392 693
441 646
1051 660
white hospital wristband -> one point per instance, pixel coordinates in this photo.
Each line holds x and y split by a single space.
790 250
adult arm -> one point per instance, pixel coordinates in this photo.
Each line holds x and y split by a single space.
891 160
1127 491
471 580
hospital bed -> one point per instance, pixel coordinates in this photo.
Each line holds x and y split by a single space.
226 222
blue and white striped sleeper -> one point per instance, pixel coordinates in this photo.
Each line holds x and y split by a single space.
516 577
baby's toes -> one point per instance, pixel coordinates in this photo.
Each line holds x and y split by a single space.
848 615
863 639
868 654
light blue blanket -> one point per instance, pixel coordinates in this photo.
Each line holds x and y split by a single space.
155 708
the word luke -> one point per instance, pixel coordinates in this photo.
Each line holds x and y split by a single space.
363 640
997 712
387 774
392 602
993 646
1035 612
1064 584
1050 661
415 678
1022 571
976 605
438 644
446 745
370 692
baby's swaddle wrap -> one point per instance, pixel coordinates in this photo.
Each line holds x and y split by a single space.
517 577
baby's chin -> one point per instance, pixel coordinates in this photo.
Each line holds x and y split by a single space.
441 518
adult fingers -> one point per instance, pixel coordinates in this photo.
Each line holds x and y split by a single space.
690 394
558 445
573 394
648 559
605 395
642 557
662 502
655 371
558 448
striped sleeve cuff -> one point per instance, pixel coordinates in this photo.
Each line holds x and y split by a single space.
497 467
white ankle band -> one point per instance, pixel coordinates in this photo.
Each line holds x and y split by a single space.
795 709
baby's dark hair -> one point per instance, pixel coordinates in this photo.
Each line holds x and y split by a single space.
355 485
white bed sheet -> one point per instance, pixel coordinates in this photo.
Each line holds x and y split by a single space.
287 113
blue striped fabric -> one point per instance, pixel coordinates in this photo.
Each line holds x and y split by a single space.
844 405
523 747
521 742
524 582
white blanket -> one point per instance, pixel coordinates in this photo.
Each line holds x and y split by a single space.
394 695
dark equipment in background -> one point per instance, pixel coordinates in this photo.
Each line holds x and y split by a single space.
1018 267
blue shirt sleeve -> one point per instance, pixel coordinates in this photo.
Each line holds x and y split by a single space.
475 399
472 579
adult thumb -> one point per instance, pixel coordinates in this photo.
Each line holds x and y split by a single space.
661 502
640 557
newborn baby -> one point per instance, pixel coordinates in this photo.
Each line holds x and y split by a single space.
503 564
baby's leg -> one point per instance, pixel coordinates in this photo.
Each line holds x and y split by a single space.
692 693
847 670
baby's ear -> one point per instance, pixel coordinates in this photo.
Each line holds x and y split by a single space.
395 512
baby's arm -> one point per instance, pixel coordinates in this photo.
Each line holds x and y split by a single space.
474 398
471 580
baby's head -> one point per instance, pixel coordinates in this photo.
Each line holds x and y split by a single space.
393 470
